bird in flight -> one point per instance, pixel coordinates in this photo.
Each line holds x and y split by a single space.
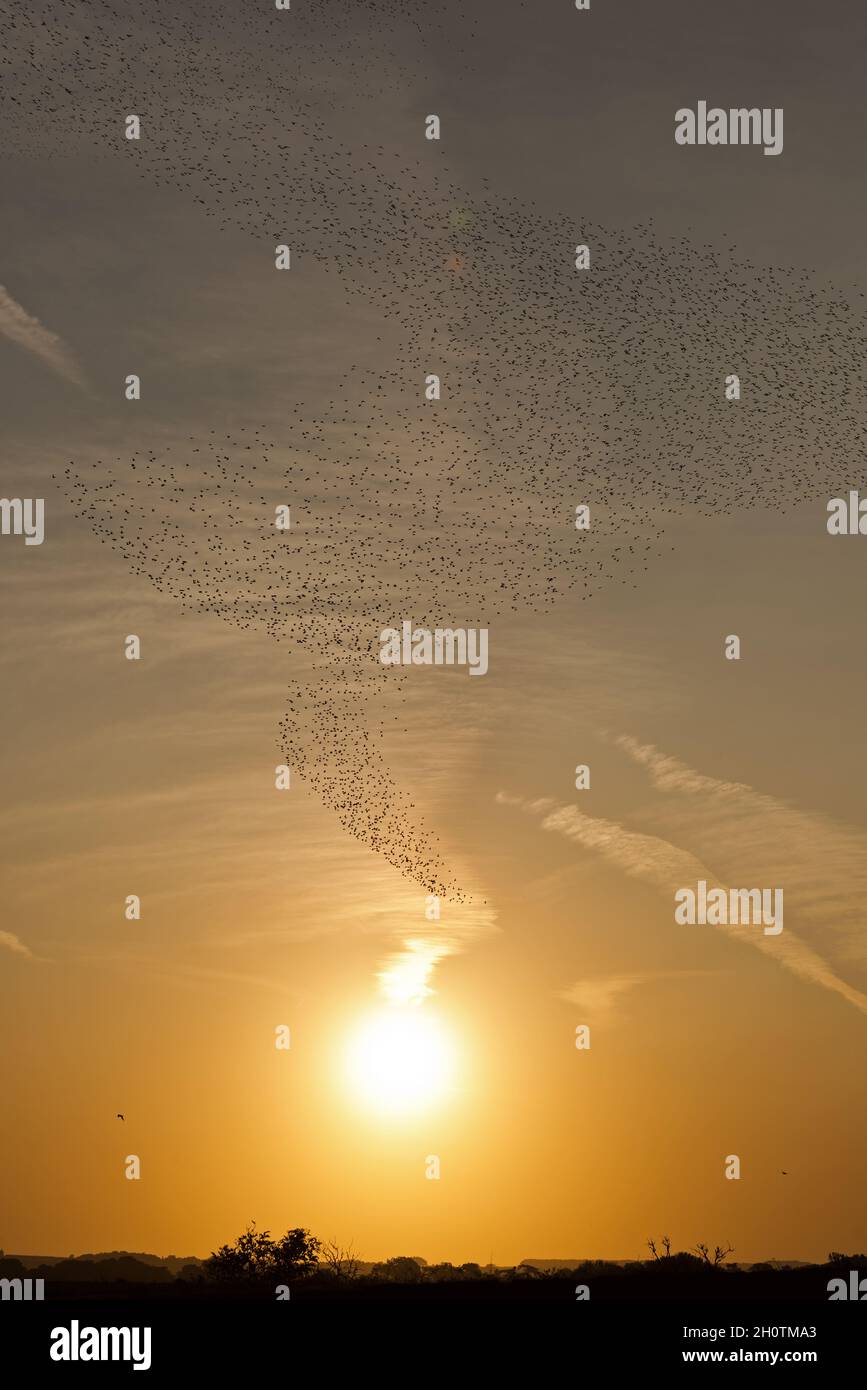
119 1116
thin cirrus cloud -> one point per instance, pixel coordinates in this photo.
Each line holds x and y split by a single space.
12 943
599 997
821 862
668 868
28 333
405 976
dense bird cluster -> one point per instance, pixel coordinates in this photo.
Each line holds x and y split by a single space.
559 386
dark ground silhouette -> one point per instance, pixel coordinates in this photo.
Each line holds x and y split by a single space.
297 1265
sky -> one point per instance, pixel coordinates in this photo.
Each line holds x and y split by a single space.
263 909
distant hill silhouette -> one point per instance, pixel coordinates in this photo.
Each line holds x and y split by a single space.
85 1271
173 1263
622 1264
114 1267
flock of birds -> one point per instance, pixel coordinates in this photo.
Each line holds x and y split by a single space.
559 386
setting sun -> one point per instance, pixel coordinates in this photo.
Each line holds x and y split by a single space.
399 1061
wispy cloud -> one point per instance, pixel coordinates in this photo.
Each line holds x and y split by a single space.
27 332
669 867
598 997
670 774
187 975
14 944
821 863
646 856
405 975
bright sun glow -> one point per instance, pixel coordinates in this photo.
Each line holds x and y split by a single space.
399 1061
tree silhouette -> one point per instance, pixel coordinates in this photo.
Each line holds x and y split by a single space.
719 1254
255 1255
666 1245
686 1260
342 1261
401 1269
